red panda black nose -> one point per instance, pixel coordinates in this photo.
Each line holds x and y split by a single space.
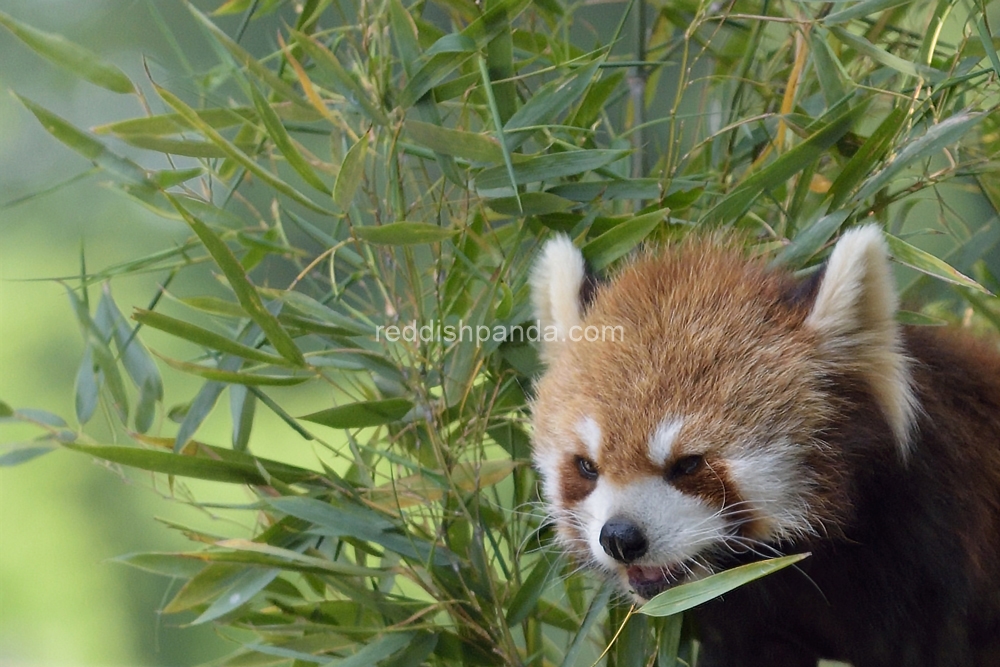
623 540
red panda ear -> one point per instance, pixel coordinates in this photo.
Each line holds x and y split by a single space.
855 316
558 282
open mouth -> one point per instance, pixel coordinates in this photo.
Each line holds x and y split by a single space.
649 581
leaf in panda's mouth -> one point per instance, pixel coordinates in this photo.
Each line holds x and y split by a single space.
648 581
685 596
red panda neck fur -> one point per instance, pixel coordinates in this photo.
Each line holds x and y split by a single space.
742 413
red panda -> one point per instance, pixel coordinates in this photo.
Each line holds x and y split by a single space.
742 413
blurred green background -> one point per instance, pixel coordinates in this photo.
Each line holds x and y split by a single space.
63 602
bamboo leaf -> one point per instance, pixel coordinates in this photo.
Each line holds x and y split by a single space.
734 205
808 242
245 291
19 455
234 153
73 57
204 337
87 146
936 138
233 377
342 80
860 10
864 160
404 233
276 131
352 170
621 239
883 57
548 167
915 258
468 145
687 596
362 414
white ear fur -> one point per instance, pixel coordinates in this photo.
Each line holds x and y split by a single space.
854 314
555 291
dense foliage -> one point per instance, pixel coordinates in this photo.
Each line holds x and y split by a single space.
371 193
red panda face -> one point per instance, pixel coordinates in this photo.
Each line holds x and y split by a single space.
691 436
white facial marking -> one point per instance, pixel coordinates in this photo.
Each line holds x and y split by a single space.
677 525
661 443
590 433
771 483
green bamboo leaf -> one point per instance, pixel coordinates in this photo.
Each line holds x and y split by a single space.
234 153
276 130
73 57
915 258
736 203
883 57
214 306
498 119
98 335
809 241
134 356
174 123
242 407
531 203
936 138
860 10
352 170
5 410
468 145
341 80
864 160
246 59
526 598
548 167
204 587
19 455
987 40
378 650
920 319
245 291
88 387
233 377
362 414
621 239
246 585
404 233
87 146
185 147
546 104
165 564
588 191
829 70
436 68
597 607
218 465
257 553
204 337
686 596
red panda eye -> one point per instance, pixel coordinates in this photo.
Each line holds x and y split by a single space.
687 465
587 468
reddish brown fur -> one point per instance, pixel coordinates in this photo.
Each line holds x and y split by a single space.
906 556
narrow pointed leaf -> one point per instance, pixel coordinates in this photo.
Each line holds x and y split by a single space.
73 57
548 167
934 140
362 414
404 233
687 596
352 170
468 145
204 337
915 258
234 153
245 291
87 146
621 239
232 377
276 130
883 57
